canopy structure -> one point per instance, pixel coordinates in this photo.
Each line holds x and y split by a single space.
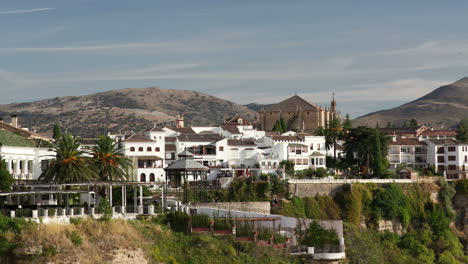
184 170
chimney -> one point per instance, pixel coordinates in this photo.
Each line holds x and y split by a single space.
14 121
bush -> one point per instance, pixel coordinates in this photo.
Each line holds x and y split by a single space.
462 186
76 239
105 209
201 220
316 236
178 221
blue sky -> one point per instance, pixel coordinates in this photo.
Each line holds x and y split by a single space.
372 54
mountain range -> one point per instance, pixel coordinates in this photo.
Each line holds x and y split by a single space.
127 110
442 108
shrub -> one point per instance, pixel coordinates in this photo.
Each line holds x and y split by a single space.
201 220
178 221
462 186
105 209
316 236
76 239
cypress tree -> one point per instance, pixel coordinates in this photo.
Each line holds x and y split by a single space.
57 132
378 164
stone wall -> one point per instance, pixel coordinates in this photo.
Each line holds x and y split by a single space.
253 207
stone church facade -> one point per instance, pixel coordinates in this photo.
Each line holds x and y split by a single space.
299 114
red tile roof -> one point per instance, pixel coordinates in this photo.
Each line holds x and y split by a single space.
407 142
137 138
439 133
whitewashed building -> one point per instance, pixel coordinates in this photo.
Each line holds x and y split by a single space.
449 156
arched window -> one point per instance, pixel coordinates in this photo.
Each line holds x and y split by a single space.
143 177
148 149
152 178
132 149
156 149
140 149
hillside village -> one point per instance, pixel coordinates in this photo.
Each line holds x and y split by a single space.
183 168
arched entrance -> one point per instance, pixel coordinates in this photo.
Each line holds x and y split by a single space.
152 178
142 177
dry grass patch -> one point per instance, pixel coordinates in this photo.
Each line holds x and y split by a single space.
99 240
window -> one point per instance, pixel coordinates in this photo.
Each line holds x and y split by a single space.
157 149
221 148
152 178
132 149
321 161
440 168
451 149
140 149
311 146
318 146
464 168
148 149
440 159
440 150
452 158
312 161
466 158
452 167
143 177
405 150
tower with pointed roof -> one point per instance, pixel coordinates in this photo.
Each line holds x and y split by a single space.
333 104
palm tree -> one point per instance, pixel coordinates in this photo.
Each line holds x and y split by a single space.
71 165
110 161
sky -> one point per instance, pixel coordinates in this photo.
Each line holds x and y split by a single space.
372 54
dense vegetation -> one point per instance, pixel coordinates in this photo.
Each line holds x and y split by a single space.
93 241
426 236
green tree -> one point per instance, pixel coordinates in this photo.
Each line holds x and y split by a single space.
280 126
6 181
333 132
378 164
288 166
462 132
57 132
316 236
110 161
347 124
413 122
361 141
71 164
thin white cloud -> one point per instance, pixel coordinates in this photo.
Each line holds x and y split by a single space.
33 10
134 45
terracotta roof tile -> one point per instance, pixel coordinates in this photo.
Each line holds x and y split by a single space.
137 138
236 142
407 142
440 133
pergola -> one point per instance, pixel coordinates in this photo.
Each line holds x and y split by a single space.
70 188
178 172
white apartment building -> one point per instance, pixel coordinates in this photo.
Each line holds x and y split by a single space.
147 155
304 151
409 151
449 156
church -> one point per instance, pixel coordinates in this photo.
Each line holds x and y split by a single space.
299 115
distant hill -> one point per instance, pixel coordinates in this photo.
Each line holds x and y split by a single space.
257 107
132 109
443 107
